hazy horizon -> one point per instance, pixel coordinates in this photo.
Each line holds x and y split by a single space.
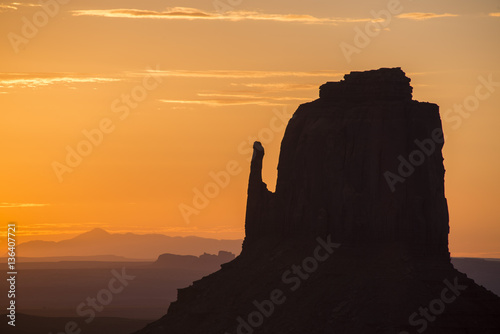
209 81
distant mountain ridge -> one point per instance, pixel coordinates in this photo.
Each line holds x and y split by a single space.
129 245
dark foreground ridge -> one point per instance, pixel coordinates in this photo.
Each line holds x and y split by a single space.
355 238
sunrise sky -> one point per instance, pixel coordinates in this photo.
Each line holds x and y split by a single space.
179 90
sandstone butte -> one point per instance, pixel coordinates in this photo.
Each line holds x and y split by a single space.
355 238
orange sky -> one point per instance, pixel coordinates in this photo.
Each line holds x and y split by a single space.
171 95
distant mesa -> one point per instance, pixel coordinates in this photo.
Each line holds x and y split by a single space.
392 271
202 262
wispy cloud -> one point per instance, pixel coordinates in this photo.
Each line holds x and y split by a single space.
6 8
36 80
16 5
224 102
220 100
262 94
237 74
246 96
184 13
417 16
26 4
15 80
21 205
277 86
494 14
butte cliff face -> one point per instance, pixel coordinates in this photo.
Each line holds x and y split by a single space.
355 238
362 163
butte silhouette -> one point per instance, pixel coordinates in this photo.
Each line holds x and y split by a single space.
355 238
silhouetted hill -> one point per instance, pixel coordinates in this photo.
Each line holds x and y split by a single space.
355 238
153 285
485 272
129 245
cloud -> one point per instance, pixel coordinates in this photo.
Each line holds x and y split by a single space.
17 80
258 93
16 5
6 8
237 74
494 14
219 100
267 91
21 205
37 80
417 16
184 13
278 86
225 102
246 96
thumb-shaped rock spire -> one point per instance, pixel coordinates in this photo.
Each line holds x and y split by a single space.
258 221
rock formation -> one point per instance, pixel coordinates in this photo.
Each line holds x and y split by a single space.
355 238
338 168
205 261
